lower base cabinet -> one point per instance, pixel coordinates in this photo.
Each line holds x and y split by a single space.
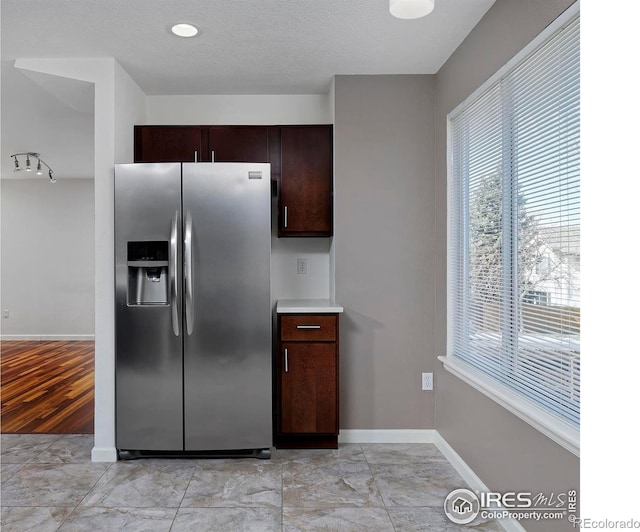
306 370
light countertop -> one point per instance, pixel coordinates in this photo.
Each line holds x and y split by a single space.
315 306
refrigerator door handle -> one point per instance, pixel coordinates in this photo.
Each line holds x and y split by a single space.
173 272
188 272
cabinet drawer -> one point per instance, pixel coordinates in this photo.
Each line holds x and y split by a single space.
309 327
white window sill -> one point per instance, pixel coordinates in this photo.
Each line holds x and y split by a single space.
560 432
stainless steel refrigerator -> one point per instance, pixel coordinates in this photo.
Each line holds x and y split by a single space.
193 308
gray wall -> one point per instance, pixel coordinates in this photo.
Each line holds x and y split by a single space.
505 452
47 257
384 249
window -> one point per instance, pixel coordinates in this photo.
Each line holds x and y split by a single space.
514 228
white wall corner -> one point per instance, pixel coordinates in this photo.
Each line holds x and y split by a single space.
104 454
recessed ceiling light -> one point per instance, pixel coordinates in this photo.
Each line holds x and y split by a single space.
409 9
184 30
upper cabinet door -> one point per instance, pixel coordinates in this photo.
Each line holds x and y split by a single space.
238 144
306 183
169 144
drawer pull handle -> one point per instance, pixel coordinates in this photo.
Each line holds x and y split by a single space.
307 326
286 361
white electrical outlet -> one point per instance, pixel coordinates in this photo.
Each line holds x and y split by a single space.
302 266
5 313
427 381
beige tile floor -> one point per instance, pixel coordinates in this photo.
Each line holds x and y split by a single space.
50 484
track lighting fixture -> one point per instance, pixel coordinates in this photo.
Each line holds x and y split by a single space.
27 164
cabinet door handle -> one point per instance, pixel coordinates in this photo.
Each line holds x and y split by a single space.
195 156
307 326
286 216
286 361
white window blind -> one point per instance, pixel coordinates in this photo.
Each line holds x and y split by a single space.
514 227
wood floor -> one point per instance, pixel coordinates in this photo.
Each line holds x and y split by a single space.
47 387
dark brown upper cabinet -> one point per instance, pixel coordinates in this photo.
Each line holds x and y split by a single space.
230 144
239 144
306 181
301 159
169 144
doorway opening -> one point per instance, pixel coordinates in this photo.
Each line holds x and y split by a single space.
48 254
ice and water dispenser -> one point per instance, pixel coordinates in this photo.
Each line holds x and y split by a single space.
148 264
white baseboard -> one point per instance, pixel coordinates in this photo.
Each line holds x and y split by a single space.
470 477
48 337
387 436
104 454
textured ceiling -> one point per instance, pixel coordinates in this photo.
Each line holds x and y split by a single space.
246 46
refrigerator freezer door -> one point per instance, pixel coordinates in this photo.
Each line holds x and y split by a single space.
148 237
227 355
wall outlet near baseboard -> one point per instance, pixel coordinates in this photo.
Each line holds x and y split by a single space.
427 381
